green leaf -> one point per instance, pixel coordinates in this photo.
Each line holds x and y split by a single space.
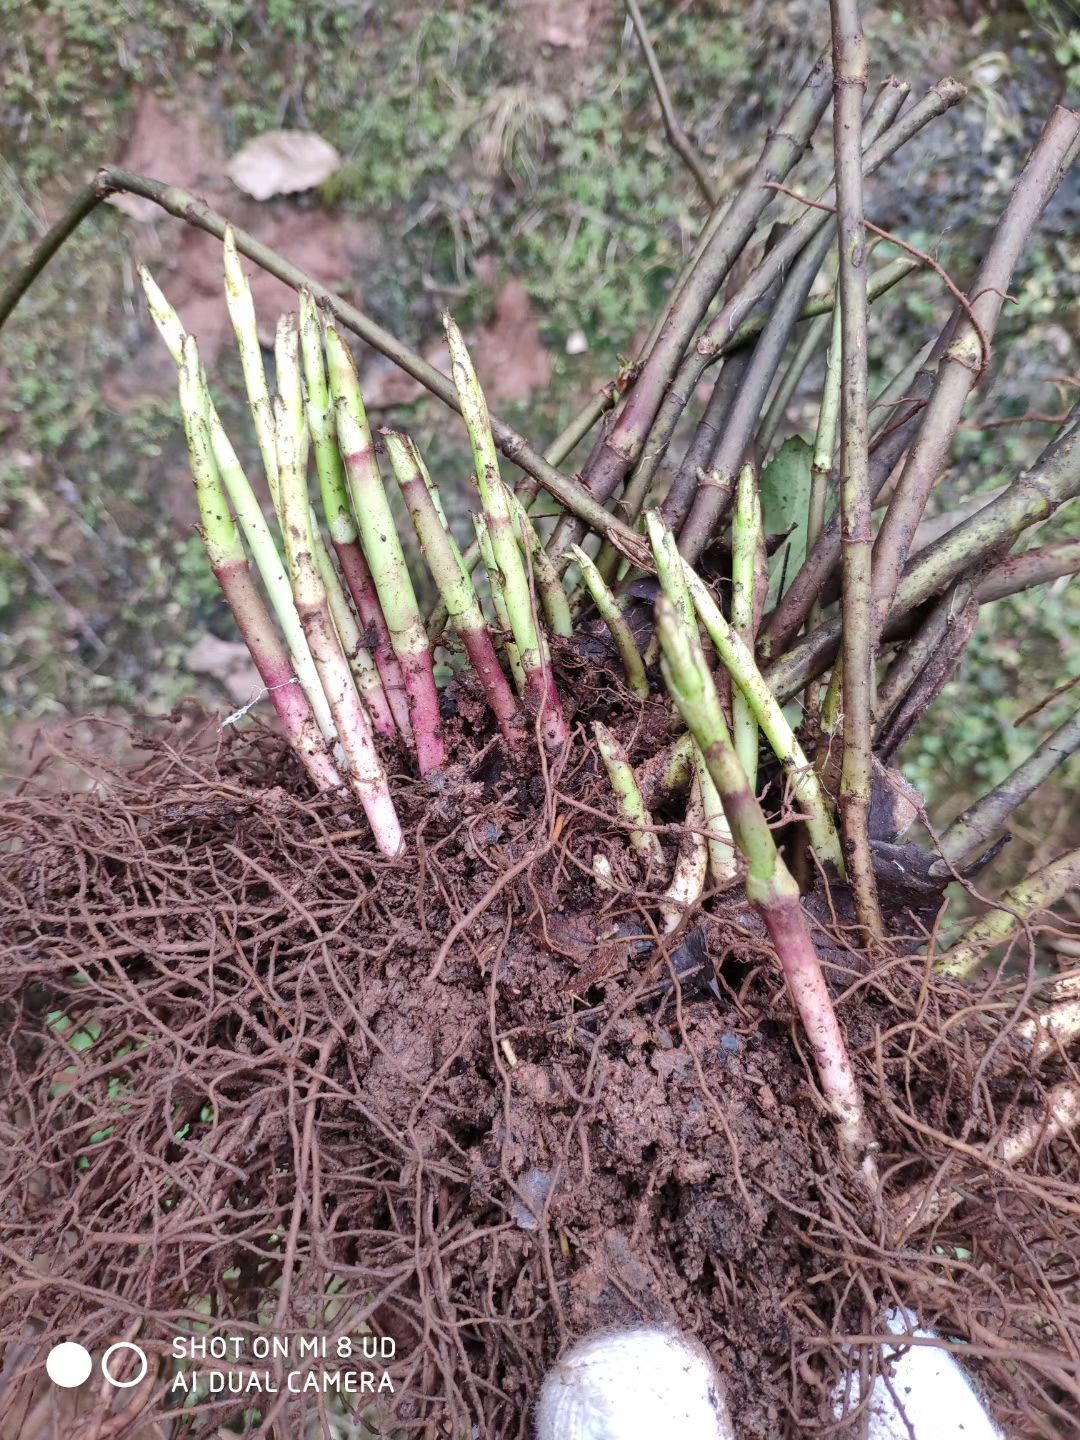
785 495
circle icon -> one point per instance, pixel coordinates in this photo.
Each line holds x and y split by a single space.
68 1365
135 1350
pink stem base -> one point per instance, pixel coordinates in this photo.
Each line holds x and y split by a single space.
553 726
786 925
361 587
499 695
423 697
276 672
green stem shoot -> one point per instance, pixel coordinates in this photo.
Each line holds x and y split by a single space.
366 773
608 607
677 576
384 555
498 603
513 577
453 581
747 542
229 563
337 508
249 513
643 837
770 886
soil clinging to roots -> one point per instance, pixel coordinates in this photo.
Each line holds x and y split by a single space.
258 1080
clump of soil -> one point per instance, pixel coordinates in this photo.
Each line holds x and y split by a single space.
260 1080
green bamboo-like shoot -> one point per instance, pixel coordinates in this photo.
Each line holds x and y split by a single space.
691 864
631 806
666 550
385 557
770 887
1038 890
290 384
723 857
248 512
747 539
452 579
337 508
366 774
242 314
436 500
368 682
549 587
513 577
498 604
615 620
738 660
229 563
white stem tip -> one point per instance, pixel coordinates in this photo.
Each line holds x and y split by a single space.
626 1384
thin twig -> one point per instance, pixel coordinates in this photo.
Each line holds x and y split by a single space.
726 323
924 258
981 822
731 232
87 200
959 369
1034 496
677 136
823 557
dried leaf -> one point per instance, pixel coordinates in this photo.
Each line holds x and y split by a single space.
281 162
